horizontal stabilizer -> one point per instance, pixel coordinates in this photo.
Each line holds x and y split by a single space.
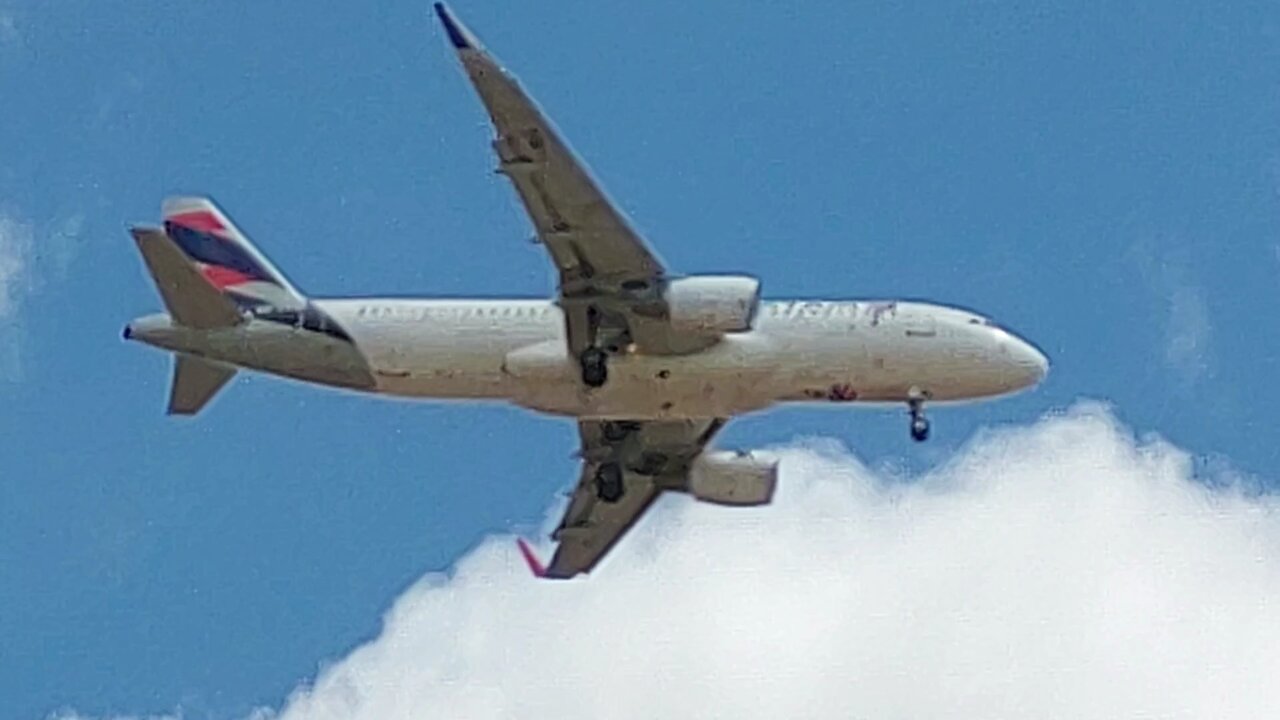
189 297
195 382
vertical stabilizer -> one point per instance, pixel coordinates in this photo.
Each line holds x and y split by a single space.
224 255
187 294
195 382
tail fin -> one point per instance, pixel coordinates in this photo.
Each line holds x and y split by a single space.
207 273
195 382
224 255
192 301
190 298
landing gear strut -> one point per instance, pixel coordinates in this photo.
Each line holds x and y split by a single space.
919 423
594 361
595 367
609 486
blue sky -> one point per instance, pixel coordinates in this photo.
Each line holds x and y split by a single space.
1105 181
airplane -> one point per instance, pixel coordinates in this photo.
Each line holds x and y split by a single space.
650 363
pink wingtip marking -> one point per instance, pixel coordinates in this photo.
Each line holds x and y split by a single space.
535 566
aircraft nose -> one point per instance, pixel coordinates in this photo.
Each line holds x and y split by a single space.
1030 364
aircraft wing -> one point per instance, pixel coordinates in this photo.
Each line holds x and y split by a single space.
655 456
602 260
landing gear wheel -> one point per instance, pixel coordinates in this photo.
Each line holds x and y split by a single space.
919 423
595 367
609 483
920 429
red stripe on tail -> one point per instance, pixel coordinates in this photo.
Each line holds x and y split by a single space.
222 277
201 220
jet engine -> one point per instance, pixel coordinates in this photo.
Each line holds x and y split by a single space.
712 304
731 478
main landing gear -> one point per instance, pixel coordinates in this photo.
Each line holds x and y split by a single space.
594 361
595 367
919 423
609 486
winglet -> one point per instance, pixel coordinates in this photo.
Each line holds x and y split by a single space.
459 35
535 566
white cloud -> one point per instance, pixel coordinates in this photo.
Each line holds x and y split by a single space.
10 35
1187 332
73 715
1187 321
15 251
1059 571
26 264
15 283
62 244
8 30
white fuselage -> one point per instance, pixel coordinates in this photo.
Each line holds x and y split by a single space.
516 351
826 351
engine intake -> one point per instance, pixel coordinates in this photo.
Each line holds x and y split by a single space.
730 478
712 304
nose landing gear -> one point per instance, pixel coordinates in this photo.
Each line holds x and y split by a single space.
919 423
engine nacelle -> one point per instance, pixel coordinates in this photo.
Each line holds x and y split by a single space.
730 478
712 304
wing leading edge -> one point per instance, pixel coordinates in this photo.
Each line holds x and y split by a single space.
610 280
590 240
